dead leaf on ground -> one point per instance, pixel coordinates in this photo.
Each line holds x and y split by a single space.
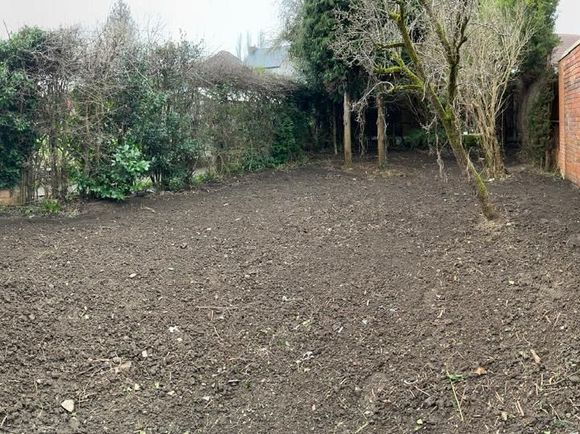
481 371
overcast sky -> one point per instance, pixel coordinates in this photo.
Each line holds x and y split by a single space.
218 22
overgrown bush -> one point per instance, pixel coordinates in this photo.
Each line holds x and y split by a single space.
167 140
252 132
118 178
538 147
102 114
290 132
18 102
51 206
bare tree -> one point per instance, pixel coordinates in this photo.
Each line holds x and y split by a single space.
108 57
417 46
493 51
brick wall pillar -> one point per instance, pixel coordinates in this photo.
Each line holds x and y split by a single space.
569 90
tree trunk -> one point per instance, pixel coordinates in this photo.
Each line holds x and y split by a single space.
347 131
497 169
334 130
362 135
448 118
27 182
462 157
381 142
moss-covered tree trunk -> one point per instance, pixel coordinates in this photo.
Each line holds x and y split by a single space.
453 133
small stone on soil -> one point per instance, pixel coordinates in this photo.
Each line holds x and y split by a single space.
68 405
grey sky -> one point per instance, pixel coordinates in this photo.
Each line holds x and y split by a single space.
568 17
218 22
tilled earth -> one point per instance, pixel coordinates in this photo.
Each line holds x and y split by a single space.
313 300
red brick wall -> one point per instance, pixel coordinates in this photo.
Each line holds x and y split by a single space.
569 90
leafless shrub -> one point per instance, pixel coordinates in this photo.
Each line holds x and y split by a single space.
495 43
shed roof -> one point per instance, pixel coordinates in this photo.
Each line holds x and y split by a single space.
567 42
225 68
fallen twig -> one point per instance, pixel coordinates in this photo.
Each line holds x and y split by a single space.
361 428
457 403
216 307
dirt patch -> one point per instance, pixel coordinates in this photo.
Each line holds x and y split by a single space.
315 300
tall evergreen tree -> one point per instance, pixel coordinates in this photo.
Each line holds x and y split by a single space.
312 31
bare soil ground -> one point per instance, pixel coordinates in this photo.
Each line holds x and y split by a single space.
314 300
